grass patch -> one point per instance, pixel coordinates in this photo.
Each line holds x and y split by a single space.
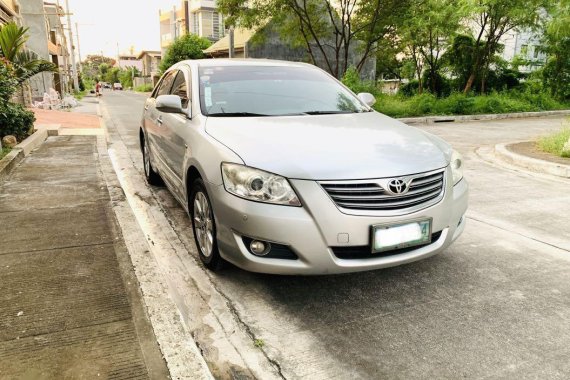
459 104
4 151
79 94
144 88
259 343
554 143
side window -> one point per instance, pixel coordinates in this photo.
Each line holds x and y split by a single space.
180 88
166 83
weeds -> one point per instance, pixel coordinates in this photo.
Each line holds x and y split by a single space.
554 143
4 151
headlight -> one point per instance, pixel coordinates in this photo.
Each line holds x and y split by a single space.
257 185
456 166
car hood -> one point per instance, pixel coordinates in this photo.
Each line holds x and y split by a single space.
331 147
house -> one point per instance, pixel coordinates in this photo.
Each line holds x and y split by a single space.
128 60
47 39
524 44
150 62
8 11
199 17
267 43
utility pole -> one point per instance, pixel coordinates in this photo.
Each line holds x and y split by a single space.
73 68
78 48
231 47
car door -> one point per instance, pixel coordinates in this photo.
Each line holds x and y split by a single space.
154 121
176 130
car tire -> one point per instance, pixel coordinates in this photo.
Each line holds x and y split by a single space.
204 226
152 177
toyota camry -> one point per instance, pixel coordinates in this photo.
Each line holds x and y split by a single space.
282 169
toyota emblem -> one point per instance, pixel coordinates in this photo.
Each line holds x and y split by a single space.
398 186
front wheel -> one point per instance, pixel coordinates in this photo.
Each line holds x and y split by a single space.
204 226
152 177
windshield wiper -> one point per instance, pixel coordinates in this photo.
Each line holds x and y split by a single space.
235 114
326 112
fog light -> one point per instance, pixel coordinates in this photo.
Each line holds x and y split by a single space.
259 248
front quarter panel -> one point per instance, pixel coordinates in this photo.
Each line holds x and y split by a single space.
206 154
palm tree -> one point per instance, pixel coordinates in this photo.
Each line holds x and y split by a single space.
12 47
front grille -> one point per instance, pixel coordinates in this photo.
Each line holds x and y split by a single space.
365 251
371 195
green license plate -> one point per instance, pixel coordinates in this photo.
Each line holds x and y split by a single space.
398 236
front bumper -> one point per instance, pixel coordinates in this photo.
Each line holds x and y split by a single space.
310 231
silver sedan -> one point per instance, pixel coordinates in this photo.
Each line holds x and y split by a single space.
284 170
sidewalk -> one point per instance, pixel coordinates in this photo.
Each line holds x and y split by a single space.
82 117
69 307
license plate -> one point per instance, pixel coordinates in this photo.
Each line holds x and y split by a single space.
398 236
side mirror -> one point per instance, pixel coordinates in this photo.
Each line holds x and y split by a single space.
367 98
169 104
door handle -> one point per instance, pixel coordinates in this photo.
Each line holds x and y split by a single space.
159 120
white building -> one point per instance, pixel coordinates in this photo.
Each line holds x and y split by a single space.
199 17
525 44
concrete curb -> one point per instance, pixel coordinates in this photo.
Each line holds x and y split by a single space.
533 164
462 118
20 151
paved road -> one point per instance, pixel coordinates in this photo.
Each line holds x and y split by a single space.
494 305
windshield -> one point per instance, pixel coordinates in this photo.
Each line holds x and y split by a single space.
272 91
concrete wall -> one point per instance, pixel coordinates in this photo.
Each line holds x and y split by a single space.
32 12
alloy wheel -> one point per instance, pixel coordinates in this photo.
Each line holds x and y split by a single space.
203 223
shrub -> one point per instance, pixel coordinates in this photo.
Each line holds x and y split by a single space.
189 46
409 89
15 120
555 143
460 104
8 81
144 88
351 79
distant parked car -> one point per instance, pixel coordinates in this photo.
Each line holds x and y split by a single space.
106 85
282 169
117 86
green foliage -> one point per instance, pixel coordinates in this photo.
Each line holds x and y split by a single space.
495 18
189 46
89 83
409 89
126 76
461 104
329 31
26 63
556 39
8 81
4 151
12 40
351 79
15 120
554 143
111 75
144 88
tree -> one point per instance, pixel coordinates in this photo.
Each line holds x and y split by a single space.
556 41
92 63
12 48
126 76
492 19
428 30
189 46
329 31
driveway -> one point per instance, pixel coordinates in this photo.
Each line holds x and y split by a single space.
494 305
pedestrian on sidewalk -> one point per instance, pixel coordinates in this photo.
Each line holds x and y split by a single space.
98 89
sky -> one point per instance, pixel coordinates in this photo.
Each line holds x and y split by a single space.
104 23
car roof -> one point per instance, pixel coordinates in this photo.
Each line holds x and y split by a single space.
216 62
